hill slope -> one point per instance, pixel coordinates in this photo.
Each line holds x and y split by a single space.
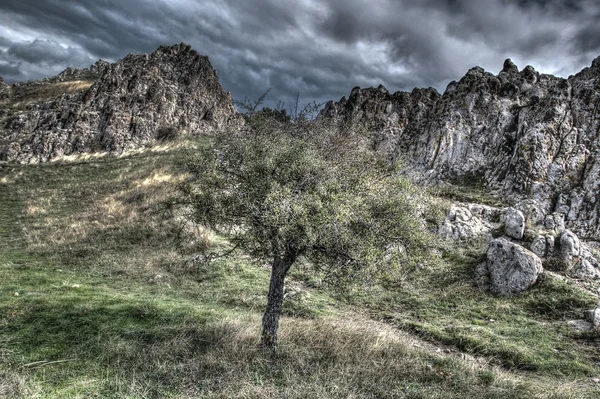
113 107
96 302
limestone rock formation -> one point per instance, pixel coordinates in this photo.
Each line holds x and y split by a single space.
559 249
525 135
510 269
114 107
4 92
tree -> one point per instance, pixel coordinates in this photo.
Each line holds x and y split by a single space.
283 190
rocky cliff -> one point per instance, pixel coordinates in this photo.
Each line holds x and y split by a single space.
532 138
113 107
4 92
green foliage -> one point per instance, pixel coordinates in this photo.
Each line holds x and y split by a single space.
304 189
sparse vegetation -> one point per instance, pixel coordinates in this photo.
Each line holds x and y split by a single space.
24 95
167 133
107 308
473 193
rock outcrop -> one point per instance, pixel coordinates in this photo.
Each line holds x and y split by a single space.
559 249
4 92
524 135
467 222
114 107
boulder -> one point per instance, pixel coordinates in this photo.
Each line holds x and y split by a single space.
570 248
515 223
542 245
509 269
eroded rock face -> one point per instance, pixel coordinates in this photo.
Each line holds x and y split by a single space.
125 105
4 91
510 269
523 134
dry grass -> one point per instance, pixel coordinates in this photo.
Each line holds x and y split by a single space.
150 148
23 96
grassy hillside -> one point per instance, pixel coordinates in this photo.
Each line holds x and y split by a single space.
96 300
24 95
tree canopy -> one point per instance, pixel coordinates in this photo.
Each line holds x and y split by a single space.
282 190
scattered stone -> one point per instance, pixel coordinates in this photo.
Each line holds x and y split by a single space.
510 269
580 325
469 221
584 269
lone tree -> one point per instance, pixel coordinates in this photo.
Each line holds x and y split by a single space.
283 190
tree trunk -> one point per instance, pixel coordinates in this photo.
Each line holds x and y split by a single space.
270 323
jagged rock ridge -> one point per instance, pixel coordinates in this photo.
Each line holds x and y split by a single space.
113 107
526 135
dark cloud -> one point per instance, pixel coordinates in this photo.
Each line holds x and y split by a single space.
588 39
46 53
320 49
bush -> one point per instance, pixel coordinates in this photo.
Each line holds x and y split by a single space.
167 133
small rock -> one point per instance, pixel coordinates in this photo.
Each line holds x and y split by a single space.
593 316
579 325
515 223
569 247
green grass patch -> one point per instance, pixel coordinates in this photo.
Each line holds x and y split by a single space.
529 332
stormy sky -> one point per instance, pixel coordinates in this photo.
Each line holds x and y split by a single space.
319 49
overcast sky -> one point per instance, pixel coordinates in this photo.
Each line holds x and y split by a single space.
320 49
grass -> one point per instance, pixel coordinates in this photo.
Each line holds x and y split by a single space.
528 333
470 190
95 301
22 96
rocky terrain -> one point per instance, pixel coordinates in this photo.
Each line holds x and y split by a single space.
113 107
530 137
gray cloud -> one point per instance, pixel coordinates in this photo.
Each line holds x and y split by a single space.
320 49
